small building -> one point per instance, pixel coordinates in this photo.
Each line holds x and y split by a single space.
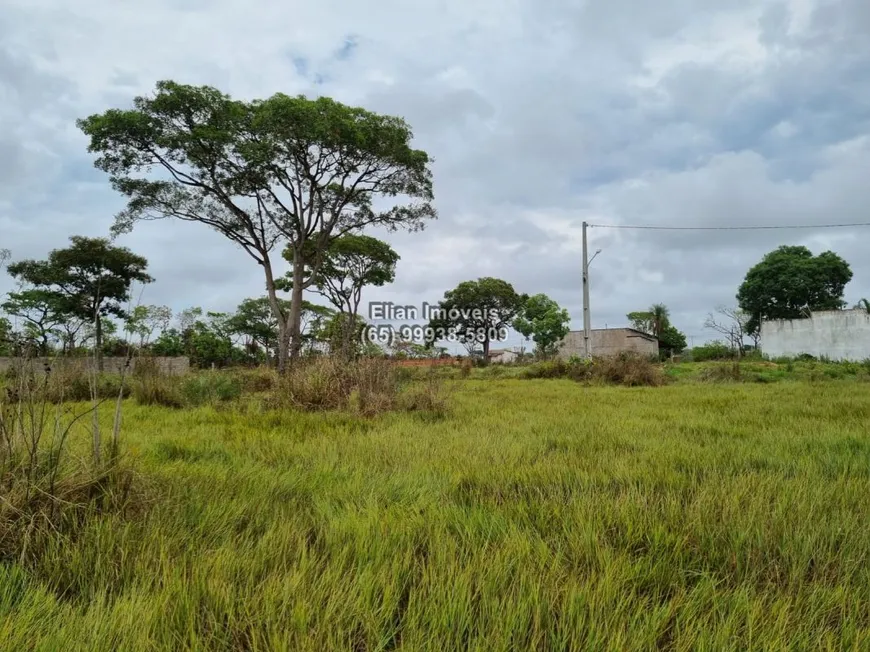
502 356
609 341
833 334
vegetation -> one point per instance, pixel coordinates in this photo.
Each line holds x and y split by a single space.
477 312
85 282
282 170
542 320
790 282
349 264
537 514
657 321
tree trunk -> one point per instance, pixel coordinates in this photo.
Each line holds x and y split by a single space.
281 319
98 335
295 319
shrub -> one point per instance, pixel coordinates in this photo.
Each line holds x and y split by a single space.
628 369
367 386
258 379
713 351
210 387
45 493
425 397
547 369
719 373
67 381
624 369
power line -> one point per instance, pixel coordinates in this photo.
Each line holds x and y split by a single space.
727 228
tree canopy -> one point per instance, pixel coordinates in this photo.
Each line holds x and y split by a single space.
285 169
542 320
350 263
89 280
477 312
790 283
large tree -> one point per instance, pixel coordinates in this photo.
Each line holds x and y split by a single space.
285 169
477 312
91 279
790 283
542 320
350 263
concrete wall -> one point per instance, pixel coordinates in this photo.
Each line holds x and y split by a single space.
171 366
836 334
608 341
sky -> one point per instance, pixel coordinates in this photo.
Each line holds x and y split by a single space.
539 115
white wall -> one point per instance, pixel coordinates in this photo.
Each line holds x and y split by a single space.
836 334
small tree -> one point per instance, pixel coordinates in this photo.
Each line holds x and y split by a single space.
42 311
91 279
732 323
143 321
654 321
542 320
476 312
351 263
672 340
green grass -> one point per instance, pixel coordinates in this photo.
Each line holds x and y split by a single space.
537 514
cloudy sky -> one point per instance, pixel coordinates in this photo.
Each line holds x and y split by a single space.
540 114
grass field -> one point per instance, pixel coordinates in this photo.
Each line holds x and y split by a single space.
538 514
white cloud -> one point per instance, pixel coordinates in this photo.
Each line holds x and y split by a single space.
539 114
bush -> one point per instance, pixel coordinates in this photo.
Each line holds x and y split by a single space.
258 379
68 381
624 369
719 373
713 351
628 369
425 397
46 493
367 386
210 387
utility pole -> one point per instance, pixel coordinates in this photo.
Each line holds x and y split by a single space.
587 344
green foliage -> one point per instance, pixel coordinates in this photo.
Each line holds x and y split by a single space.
713 351
90 277
625 369
790 283
42 311
478 311
350 263
88 280
7 338
534 515
654 321
210 387
255 320
143 321
672 340
542 320
315 167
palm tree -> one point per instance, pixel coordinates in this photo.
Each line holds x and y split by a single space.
863 304
660 318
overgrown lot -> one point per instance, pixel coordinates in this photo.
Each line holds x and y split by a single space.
536 514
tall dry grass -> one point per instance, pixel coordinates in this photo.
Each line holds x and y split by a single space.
56 468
